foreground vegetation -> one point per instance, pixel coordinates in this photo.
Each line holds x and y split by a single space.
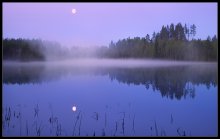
15 124
175 42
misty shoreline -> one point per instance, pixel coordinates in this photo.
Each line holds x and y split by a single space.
97 62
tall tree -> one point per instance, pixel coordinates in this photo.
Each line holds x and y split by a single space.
179 32
164 34
172 31
193 30
187 31
153 37
147 38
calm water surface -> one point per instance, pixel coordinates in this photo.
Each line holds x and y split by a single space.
67 100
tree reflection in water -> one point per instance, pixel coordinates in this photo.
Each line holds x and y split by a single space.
171 81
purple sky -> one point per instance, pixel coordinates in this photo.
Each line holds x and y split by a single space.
99 23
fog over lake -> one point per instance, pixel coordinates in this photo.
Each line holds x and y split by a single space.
110 97
95 62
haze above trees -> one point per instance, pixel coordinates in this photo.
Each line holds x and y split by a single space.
173 42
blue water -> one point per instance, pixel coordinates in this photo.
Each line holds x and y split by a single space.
160 101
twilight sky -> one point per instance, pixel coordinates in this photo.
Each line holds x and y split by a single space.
98 23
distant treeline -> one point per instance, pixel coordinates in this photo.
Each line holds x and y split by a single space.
31 50
174 42
23 50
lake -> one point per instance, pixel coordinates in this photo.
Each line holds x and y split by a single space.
110 98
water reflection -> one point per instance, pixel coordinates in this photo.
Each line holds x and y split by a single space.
74 108
172 82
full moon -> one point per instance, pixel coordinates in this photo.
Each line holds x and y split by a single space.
74 108
73 11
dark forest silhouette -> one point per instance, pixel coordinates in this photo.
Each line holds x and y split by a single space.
174 42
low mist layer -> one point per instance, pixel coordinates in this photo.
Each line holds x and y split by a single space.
170 77
94 62
124 63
